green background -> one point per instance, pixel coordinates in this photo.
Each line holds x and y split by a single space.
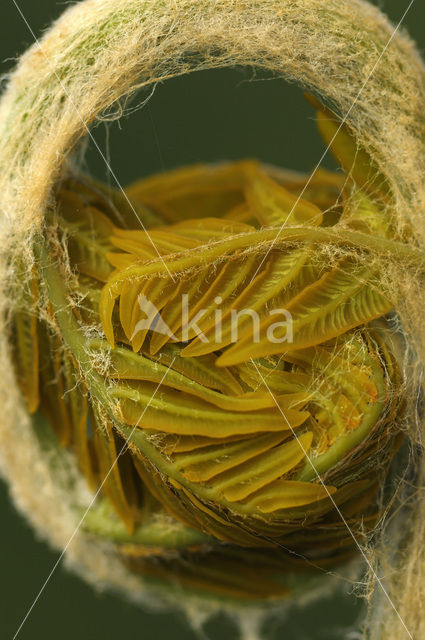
225 114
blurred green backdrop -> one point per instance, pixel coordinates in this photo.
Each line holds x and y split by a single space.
224 114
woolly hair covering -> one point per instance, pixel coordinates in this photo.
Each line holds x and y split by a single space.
100 52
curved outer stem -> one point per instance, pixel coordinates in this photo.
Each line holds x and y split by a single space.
102 50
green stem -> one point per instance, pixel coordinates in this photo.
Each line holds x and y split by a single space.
273 237
160 533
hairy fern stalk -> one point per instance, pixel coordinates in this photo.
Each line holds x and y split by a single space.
236 463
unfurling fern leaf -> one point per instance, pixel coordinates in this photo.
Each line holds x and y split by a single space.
222 375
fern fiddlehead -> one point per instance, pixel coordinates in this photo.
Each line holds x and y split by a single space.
230 446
